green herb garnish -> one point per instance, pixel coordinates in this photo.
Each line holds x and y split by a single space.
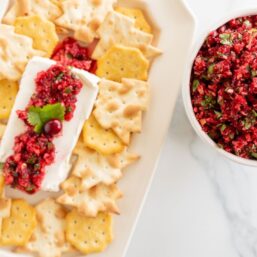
254 155
37 116
195 84
226 39
253 73
1 165
218 114
59 76
223 127
210 69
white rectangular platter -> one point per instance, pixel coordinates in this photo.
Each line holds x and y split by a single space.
176 26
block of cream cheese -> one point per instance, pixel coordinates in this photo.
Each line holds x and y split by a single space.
57 172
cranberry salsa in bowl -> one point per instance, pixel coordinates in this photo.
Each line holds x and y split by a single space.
220 88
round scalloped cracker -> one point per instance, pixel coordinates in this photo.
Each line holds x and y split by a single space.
8 92
136 14
122 62
18 228
89 235
102 140
44 8
40 30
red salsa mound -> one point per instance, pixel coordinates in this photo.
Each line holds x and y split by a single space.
224 86
34 150
69 52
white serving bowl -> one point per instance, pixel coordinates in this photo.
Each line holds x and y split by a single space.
186 86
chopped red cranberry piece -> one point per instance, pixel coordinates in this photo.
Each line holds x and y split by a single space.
70 53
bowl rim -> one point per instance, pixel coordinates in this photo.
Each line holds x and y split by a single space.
186 84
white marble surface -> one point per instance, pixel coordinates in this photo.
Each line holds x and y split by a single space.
200 204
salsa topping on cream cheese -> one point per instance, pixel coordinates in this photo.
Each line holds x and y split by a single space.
224 86
53 101
69 52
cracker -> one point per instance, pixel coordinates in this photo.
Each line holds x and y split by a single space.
48 240
40 30
84 17
44 8
5 204
102 140
122 62
89 235
119 106
136 14
15 52
94 168
120 29
18 228
8 92
100 198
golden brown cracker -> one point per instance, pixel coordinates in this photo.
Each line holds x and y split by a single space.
44 8
138 15
122 62
18 228
40 30
8 92
102 140
89 235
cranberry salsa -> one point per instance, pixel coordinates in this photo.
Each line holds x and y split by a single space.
224 86
53 101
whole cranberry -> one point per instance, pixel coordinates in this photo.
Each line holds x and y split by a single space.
53 127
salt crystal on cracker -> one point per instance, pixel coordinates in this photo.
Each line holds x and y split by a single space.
84 17
15 52
100 198
119 106
120 29
44 8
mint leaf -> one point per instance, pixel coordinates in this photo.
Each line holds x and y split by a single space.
1 165
226 39
38 117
